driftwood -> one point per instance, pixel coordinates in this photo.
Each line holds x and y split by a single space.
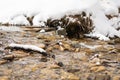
28 48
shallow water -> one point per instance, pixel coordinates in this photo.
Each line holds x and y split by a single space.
10 28
76 58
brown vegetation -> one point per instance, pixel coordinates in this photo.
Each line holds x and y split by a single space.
75 25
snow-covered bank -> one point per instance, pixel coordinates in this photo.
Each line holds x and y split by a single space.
38 11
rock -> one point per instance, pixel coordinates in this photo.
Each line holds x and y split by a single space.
96 61
19 54
113 52
56 46
3 61
8 57
61 48
67 46
49 49
42 45
98 68
68 76
77 50
60 64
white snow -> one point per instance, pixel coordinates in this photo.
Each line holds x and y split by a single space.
98 35
117 2
19 20
14 11
109 7
32 47
115 22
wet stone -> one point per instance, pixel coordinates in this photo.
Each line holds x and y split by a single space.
60 64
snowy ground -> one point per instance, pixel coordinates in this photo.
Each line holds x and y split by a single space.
16 11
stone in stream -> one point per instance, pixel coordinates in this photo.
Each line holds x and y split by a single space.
60 64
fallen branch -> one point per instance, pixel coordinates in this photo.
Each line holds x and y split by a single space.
27 48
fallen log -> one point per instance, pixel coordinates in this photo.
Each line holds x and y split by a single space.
27 48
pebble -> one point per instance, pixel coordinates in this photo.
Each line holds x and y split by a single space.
61 48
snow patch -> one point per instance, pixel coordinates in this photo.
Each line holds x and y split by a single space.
31 47
19 20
